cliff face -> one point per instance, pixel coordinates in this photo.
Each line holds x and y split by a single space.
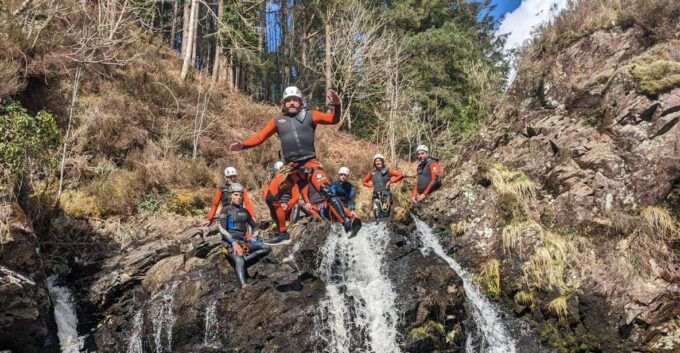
26 319
570 193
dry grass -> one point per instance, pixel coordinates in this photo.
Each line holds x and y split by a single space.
514 234
653 234
546 268
584 17
489 278
558 306
515 187
524 297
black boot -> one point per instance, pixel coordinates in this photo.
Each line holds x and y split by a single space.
281 238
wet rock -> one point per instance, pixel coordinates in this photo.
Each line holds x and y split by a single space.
26 322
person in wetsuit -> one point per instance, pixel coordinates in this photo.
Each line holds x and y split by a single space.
296 127
239 235
287 198
222 196
428 178
380 178
344 189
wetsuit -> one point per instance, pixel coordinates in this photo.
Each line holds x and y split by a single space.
319 207
290 197
297 136
222 196
378 179
428 177
234 223
346 192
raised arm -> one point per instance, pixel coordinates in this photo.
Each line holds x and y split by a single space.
333 117
255 139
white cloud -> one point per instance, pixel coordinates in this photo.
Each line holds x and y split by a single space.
520 23
530 13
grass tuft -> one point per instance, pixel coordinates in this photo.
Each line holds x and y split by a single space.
490 278
513 234
558 306
547 265
524 297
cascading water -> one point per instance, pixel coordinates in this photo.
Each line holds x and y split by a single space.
211 327
491 335
358 313
164 318
65 317
135 342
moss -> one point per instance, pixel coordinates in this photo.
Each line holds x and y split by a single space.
566 340
657 77
430 328
78 203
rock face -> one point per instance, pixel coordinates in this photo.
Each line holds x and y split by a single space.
168 292
557 187
26 323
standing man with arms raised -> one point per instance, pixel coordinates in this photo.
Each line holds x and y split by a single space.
296 127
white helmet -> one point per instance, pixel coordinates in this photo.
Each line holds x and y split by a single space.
236 187
378 155
230 171
278 165
422 148
343 170
292 91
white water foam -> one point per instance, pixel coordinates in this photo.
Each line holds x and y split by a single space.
164 318
135 342
492 335
65 317
211 327
358 311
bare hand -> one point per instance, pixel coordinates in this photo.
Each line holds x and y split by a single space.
238 250
413 199
308 207
284 206
206 223
421 197
332 97
236 146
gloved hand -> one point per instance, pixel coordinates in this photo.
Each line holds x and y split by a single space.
238 250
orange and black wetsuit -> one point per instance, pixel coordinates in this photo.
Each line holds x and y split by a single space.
222 196
319 207
378 179
297 135
428 178
289 197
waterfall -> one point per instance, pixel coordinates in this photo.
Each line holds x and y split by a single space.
135 342
358 313
65 317
211 327
491 335
164 318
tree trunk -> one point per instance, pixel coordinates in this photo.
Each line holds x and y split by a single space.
283 48
194 40
186 17
218 50
328 74
229 70
173 28
262 50
190 35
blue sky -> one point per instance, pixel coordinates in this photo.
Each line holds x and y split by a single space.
504 6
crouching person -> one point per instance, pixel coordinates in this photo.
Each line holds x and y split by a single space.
239 236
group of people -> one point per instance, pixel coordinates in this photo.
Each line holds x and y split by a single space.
301 174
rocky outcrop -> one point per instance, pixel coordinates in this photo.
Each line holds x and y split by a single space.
556 190
26 323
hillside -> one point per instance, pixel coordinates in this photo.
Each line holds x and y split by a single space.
566 203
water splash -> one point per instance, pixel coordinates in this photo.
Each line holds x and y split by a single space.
491 335
65 317
135 342
358 312
164 318
211 327
296 247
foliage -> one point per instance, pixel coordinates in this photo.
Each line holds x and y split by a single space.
27 142
490 278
